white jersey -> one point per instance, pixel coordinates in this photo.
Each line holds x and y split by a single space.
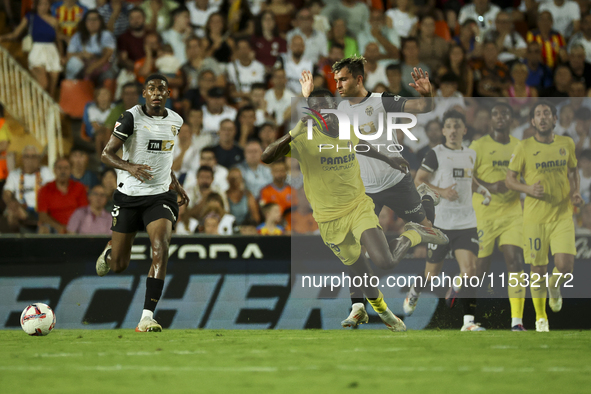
449 166
376 174
147 140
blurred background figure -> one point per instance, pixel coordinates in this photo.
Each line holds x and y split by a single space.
92 219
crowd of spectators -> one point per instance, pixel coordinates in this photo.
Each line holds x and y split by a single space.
234 66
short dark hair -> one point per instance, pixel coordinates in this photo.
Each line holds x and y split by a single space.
394 67
205 169
502 104
206 150
536 105
353 63
138 9
267 207
130 85
337 45
449 78
155 76
453 114
258 85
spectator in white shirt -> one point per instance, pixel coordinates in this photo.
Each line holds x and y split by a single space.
200 10
315 41
385 37
566 16
215 110
401 18
375 73
256 175
482 12
244 70
207 159
278 98
178 34
510 44
294 63
188 148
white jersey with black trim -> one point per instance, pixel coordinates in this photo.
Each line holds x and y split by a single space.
376 174
147 140
449 166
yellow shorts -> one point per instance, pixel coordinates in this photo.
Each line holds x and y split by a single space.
508 231
559 236
343 235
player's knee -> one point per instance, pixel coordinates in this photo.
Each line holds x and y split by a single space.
514 265
160 248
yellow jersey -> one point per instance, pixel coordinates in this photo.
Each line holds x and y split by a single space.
549 164
332 179
492 160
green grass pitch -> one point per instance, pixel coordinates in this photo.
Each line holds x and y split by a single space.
307 361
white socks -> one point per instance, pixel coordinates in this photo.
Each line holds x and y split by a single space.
515 321
468 319
147 313
357 305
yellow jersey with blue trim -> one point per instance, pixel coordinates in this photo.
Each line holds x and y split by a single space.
332 179
549 164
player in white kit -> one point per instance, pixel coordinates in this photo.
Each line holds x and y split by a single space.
147 189
386 186
447 169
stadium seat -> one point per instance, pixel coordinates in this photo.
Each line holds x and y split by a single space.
442 30
74 94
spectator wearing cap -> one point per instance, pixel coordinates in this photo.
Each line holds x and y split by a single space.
244 71
215 110
354 13
539 75
267 42
227 153
115 13
92 219
130 44
294 63
58 200
551 42
482 12
278 98
583 37
378 32
21 190
256 175
314 40
578 65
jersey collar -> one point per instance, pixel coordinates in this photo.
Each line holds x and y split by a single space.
145 111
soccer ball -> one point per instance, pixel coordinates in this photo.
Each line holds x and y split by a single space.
38 319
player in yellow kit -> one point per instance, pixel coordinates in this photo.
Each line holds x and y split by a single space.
502 219
548 164
333 185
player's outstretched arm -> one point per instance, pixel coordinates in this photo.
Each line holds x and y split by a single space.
110 158
398 163
536 190
423 86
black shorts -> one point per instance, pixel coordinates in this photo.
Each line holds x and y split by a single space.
458 239
133 213
403 199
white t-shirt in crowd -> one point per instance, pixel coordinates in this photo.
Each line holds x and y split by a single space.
563 16
27 192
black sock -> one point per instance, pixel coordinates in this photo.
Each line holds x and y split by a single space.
469 300
356 295
429 208
421 284
153 292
